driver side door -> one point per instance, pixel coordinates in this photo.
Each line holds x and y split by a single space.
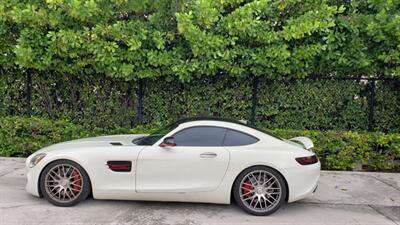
197 162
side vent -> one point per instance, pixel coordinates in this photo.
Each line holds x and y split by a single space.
116 143
120 166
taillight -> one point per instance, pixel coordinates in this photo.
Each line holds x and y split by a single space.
307 160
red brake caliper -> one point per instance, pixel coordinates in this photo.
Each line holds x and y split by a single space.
246 188
76 179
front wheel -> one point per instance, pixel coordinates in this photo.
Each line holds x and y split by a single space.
260 190
64 183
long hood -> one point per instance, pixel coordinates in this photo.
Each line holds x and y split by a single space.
101 141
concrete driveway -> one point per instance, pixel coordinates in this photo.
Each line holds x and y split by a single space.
342 198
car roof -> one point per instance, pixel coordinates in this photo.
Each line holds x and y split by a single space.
194 119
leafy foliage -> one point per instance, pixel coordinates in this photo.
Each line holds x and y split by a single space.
365 40
122 39
336 150
262 38
184 39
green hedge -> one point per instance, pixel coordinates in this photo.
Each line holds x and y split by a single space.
313 105
93 101
98 101
218 97
338 150
21 136
341 150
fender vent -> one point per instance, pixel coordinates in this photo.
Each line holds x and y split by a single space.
115 143
120 166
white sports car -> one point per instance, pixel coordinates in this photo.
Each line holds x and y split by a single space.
192 160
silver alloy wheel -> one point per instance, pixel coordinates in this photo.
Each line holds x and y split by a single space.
63 183
260 191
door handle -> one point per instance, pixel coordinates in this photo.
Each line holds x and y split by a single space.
208 155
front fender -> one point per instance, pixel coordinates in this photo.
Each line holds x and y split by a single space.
34 173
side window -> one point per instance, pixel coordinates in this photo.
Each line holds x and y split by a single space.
200 136
236 138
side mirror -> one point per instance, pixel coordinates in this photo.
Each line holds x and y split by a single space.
168 142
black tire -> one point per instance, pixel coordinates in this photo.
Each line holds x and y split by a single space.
85 184
242 204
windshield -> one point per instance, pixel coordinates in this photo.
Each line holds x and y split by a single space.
154 137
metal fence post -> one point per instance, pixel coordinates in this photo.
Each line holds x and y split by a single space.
139 116
254 101
129 103
28 92
371 105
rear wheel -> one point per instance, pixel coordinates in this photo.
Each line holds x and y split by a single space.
260 190
64 183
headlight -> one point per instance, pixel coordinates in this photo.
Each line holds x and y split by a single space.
36 159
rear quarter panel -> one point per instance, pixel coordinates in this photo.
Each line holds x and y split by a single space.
281 157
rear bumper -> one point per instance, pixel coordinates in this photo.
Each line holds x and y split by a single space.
302 180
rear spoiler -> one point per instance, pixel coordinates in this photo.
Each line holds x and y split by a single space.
305 141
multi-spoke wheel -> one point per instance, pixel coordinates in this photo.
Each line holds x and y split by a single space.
64 183
260 190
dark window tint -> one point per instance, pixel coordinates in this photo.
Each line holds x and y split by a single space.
200 136
236 138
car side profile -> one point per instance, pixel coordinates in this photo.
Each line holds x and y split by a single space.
191 160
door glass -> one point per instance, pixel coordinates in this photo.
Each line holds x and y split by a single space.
236 138
200 136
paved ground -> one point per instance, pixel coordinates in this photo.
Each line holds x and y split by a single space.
342 198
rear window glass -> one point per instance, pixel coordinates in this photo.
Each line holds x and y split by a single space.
237 138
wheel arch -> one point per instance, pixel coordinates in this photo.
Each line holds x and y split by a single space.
276 170
59 159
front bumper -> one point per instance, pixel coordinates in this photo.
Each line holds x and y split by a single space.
32 176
